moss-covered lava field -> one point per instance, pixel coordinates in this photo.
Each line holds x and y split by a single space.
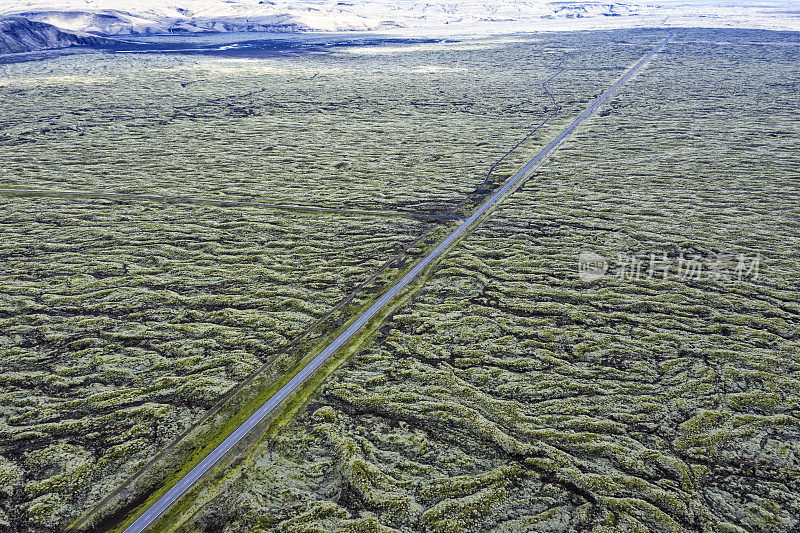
509 392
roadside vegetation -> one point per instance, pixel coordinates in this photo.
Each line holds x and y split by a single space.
511 395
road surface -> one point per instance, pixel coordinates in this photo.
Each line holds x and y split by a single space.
205 465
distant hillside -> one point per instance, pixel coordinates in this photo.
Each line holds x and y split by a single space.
118 17
22 35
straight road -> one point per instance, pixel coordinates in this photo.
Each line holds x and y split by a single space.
189 479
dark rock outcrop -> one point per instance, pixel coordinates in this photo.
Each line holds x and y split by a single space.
22 35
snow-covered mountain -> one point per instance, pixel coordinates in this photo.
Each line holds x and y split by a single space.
115 17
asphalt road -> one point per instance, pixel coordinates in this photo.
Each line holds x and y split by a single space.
189 479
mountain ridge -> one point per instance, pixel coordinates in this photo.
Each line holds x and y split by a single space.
19 35
117 17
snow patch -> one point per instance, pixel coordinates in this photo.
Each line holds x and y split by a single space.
435 69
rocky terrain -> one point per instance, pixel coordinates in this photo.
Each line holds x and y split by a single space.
509 393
